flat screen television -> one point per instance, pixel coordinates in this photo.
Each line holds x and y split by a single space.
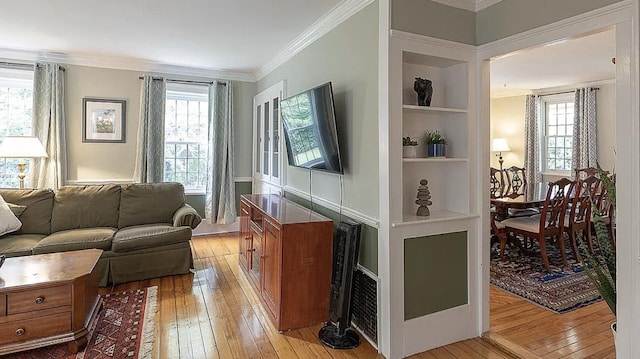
309 123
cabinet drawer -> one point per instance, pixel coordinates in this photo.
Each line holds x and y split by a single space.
35 328
36 299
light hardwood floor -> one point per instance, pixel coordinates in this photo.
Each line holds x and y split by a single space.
215 313
584 333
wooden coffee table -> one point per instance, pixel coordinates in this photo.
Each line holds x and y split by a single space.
48 299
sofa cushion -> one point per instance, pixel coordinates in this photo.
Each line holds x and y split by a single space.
16 209
8 221
85 207
149 236
149 203
16 245
36 217
76 239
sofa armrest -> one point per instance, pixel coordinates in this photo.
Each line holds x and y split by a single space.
186 216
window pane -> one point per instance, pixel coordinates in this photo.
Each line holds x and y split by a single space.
16 111
570 130
551 142
181 151
561 130
567 165
552 131
551 164
567 153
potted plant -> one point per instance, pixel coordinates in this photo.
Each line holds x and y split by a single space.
600 265
409 147
436 144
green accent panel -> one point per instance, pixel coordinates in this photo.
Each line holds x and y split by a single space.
429 18
511 17
197 200
435 273
368 256
242 188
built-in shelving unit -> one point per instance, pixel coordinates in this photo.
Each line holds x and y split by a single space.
420 245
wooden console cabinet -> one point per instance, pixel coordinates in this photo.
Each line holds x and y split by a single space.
286 251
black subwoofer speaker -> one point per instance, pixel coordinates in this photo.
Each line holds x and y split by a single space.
337 333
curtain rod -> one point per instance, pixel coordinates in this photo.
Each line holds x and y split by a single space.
563 92
185 81
21 65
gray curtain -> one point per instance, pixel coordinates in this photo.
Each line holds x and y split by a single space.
532 145
149 165
220 201
585 146
49 126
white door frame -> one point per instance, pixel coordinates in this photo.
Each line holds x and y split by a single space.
619 15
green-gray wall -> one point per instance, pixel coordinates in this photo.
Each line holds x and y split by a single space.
429 18
94 161
435 273
510 17
346 56
368 256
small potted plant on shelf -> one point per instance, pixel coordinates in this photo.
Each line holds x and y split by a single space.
409 147
436 144
600 265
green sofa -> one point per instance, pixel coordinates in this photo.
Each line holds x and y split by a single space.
143 229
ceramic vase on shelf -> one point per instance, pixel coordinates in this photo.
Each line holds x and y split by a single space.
436 150
409 152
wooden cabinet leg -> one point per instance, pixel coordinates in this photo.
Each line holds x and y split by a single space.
78 344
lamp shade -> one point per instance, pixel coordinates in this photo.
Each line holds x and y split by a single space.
21 147
500 145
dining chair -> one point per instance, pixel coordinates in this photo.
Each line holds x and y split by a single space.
578 217
549 223
582 173
497 231
517 183
606 209
497 181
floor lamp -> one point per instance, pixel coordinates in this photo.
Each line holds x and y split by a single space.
21 147
500 145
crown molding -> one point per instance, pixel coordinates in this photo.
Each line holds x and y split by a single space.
122 63
398 34
326 23
470 5
483 4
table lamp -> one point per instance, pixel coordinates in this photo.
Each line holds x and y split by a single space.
21 147
500 145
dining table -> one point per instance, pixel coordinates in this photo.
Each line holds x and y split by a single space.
533 197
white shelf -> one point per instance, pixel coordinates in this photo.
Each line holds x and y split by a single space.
433 159
433 109
436 216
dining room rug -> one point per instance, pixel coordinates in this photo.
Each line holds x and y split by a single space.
124 329
561 290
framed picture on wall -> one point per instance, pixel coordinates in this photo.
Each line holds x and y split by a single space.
103 120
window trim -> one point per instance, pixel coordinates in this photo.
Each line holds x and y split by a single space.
544 100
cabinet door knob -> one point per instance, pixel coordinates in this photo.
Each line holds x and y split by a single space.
40 300
253 249
20 331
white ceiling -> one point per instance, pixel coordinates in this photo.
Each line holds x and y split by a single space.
234 35
585 60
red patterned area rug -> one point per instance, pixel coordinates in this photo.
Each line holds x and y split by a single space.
124 329
561 290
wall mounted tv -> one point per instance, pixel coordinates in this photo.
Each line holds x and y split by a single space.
310 129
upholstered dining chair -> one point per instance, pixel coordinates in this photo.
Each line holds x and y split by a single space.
549 223
578 217
606 209
497 231
582 173
497 181
516 184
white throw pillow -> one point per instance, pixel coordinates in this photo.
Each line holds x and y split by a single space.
8 221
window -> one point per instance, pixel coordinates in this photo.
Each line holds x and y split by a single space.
558 133
186 144
16 112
